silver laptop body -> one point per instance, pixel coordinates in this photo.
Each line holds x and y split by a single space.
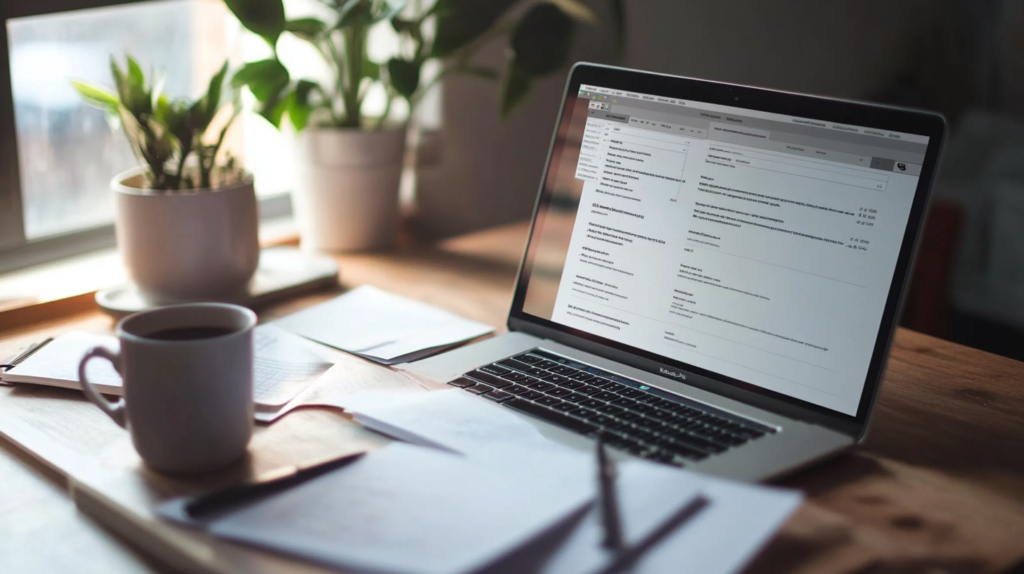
720 267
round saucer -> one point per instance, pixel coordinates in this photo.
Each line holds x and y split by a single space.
283 272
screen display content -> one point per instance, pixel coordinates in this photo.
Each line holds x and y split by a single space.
754 245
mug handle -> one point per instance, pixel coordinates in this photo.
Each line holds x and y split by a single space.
116 410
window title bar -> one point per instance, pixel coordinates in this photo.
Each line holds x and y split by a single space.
886 134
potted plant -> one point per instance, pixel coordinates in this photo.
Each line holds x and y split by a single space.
350 165
187 223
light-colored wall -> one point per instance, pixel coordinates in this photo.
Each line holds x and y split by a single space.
488 170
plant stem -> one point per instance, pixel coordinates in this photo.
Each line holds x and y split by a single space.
355 53
339 80
181 166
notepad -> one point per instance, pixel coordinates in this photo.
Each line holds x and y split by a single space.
284 365
382 326
55 364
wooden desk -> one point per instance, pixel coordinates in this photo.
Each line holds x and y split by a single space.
938 487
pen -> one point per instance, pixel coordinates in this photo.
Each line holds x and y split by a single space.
24 354
625 559
608 502
234 496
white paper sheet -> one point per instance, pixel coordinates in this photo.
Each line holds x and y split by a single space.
451 419
649 495
722 538
284 365
381 326
411 510
352 377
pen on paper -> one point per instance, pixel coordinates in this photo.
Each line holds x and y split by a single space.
607 499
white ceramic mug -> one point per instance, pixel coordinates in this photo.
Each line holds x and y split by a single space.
187 372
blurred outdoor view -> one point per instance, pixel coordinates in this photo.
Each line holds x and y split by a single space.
67 151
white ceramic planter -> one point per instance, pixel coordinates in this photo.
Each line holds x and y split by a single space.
347 190
195 245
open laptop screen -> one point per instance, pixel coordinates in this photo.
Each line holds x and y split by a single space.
758 246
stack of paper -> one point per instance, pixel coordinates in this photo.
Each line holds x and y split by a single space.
720 538
506 509
381 326
487 493
413 510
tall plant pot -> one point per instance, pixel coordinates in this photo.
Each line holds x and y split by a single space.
190 245
347 190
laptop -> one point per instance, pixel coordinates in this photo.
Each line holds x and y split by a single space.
713 274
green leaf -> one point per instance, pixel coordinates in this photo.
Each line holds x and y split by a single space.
120 83
96 96
357 13
577 10
135 75
366 13
410 27
371 69
265 78
304 91
274 110
392 8
262 17
514 92
541 40
459 22
171 113
131 88
197 117
178 116
214 91
404 76
299 104
309 29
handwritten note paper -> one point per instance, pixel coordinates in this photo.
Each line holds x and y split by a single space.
285 365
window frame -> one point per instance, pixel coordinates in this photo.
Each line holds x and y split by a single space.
17 251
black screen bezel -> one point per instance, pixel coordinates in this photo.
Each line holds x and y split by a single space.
848 112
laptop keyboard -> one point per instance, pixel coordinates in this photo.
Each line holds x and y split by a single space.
631 415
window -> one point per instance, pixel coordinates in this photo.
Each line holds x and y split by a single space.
58 155
67 153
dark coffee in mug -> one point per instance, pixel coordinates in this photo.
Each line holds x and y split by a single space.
189 333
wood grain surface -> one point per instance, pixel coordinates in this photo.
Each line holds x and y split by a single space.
938 485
